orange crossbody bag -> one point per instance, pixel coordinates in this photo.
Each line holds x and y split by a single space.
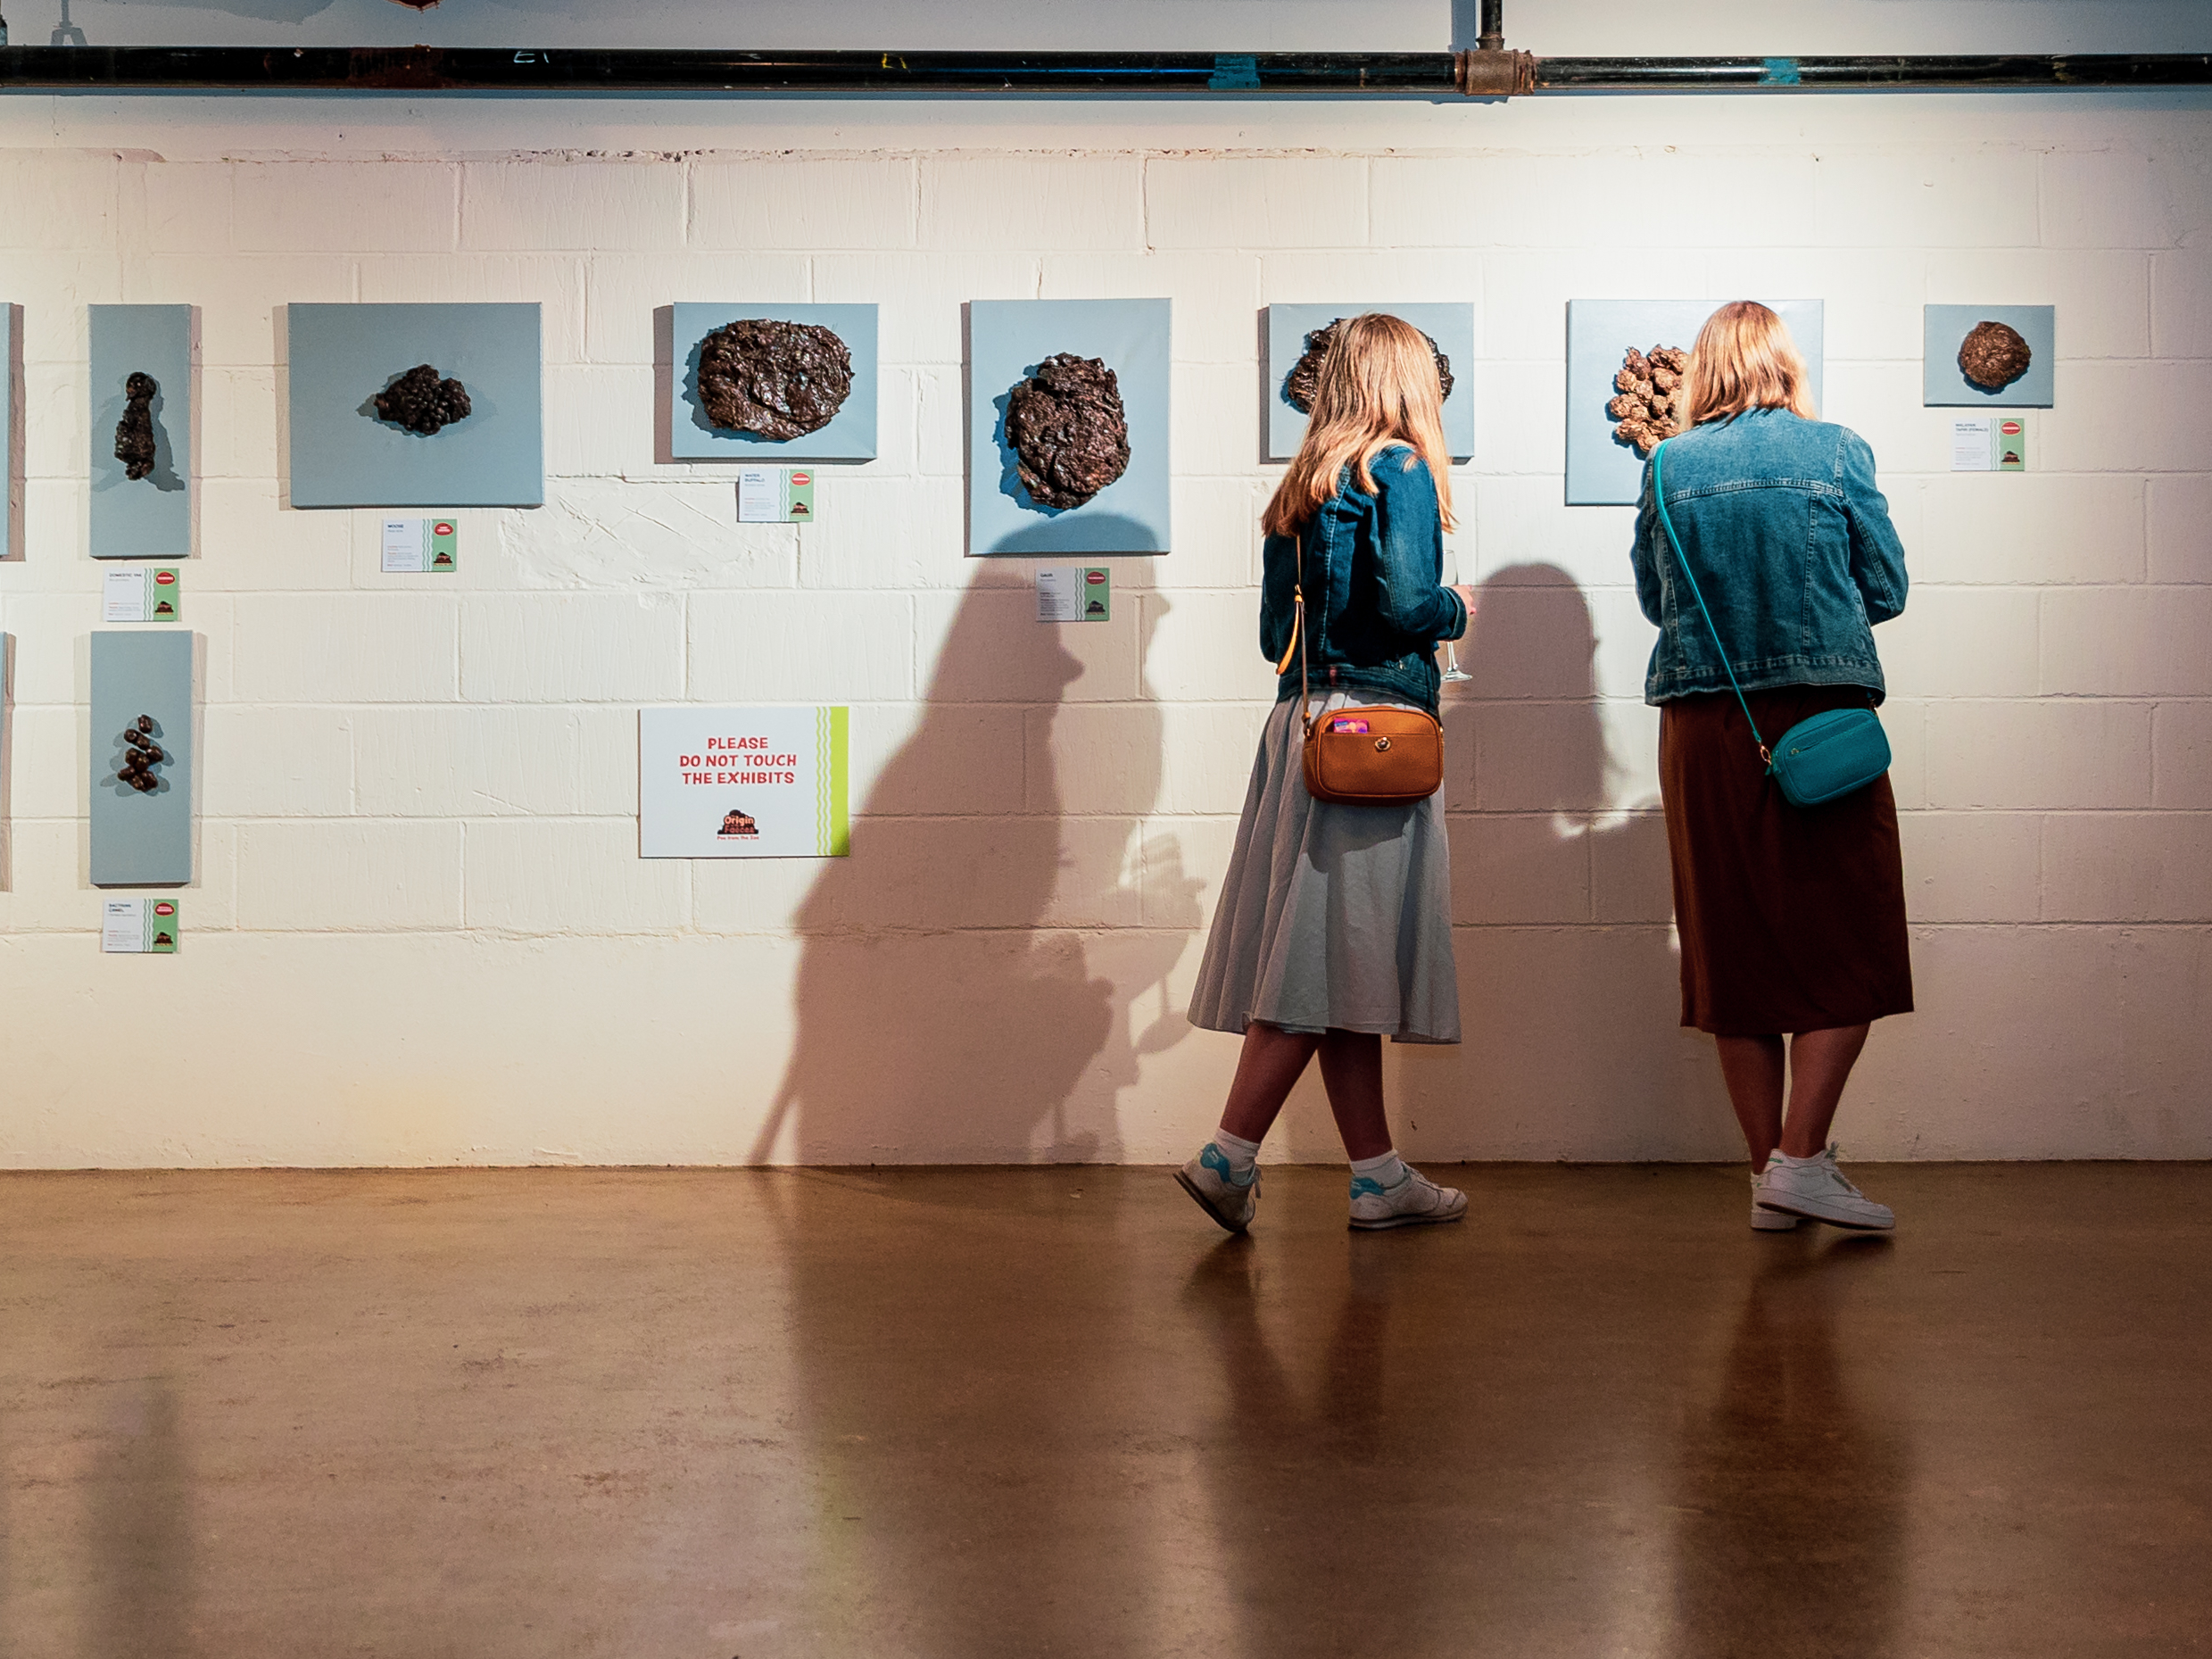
1376 755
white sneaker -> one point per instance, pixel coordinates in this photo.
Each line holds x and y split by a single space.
1413 1201
1767 1220
1813 1188
1209 1179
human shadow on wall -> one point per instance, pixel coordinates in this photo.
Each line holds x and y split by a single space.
950 1007
1569 977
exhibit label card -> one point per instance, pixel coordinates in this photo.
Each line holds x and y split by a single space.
147 594
139 926
421 547
774 495
1074 594
1989 444
743 783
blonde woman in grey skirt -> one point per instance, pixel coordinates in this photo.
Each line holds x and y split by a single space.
1334 924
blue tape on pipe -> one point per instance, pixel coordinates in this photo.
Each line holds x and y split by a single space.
1231 74
1780 72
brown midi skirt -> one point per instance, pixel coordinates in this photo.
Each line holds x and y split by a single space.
1792 918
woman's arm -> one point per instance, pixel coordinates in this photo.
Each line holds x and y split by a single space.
1878 557
1410 596
1644 552
1278 559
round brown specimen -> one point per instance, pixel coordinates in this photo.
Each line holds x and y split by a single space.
1993 356
146 723
1305 377
780 379
1068 430
133 433
1647 399
420 401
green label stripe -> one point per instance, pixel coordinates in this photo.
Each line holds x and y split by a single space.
832 746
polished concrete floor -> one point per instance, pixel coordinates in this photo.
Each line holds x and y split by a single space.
699 1414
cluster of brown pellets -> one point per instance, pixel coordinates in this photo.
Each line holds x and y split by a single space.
133 433
423 402
1648 396
141 755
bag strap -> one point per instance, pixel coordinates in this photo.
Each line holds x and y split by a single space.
1297 639
1659 495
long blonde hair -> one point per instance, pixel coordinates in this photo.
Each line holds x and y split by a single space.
1744 359
1378 386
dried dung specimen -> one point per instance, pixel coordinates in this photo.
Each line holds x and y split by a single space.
1305 374
421 402
1647 392
1993 356
780 379
133 433
141 755
1068 430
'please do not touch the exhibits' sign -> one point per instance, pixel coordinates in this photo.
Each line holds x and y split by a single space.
743 783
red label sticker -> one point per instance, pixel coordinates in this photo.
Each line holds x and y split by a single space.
1347 725
1096 578
802 478
163 578
164 909
2010 428
441 529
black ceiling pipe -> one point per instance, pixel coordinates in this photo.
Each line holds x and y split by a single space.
1492 72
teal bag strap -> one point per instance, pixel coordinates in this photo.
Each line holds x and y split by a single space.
1659 496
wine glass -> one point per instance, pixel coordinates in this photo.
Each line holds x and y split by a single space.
1451 670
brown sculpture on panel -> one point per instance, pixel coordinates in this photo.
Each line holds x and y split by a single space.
1067 430
780 379
133 433
1993 356
421 402
1647 393
1305 376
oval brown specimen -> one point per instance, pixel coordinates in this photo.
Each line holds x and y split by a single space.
779 379
1993 356
421 402
1067 430
1647 405
1305 374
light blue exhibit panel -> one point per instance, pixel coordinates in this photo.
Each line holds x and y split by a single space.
1450 325
142 840
344 454
148 518
1601 469
1944 385
11 463
850 435
1006 340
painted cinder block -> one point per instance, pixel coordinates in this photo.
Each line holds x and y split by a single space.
2181 755
1215 294
2043 753
625 294
241 320
938 759
2105 197
1631 875
554 876
1538 757
337 207
1961 642
239 424
1207 753
1255 202
2127 867
2102 294
608 532
1927 198
1204 647
1517 868
336 648
2122 417
921 297
2181 304
808 203
2033 530
475 762
1972 866
2179 511
1025 204
571 647
553 282
257 547
277 762
883 533
784 647
985 644
1089 758
1523 199
187 204
349 875
2138 641
58 199
543 204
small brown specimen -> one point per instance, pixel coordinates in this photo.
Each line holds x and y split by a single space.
141 754
780 379
1648 389
133 433
1305 374
420 401
1993 356
1068 430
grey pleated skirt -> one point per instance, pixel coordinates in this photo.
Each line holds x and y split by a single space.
1332 917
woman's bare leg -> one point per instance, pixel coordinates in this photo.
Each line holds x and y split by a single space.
1352 1071
1820 1063
1273 1061
1752 1066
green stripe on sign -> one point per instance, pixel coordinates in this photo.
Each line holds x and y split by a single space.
833 732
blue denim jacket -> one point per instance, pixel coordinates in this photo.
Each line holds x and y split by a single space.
1375 602
1792 548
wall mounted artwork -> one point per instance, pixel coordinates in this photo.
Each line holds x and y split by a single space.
1621 360
767 383
10 429
1989 357
141 758
415 406
1068 425
141 432
1290 333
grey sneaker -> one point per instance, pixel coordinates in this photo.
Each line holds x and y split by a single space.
1412 1202
1813 1188
1207 1178
1767 1220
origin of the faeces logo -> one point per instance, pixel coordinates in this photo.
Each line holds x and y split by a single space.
743 783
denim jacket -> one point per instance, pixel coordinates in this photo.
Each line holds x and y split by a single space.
1792 548
1375 605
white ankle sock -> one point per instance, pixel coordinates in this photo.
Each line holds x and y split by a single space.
1241 1154
1387 1170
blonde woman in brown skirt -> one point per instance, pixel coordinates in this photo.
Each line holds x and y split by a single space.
1792 918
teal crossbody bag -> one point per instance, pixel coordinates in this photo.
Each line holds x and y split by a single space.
1832 754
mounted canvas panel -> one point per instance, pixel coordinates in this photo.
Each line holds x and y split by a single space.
1006 341
848 435
142 839
1944 385
1601 469
345 454
1451 326
10 428
148 517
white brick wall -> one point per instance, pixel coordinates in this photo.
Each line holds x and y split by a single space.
418 898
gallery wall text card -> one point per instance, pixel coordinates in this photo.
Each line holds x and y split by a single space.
850 435
1944 384
141 837
1074 594
775 495
1989 444
345 454
144 593
1006 341
139 926
1601 469
149 517
1450 325
745 783
419 547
